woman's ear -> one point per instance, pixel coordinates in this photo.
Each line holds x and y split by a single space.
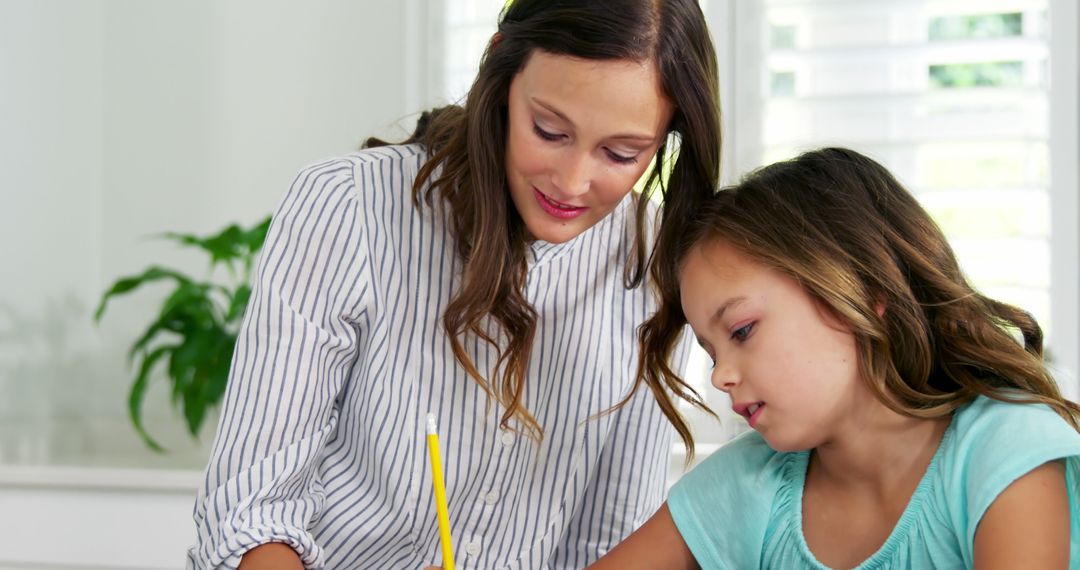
494 41
879 307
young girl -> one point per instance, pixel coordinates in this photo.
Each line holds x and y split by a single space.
491 272
897 420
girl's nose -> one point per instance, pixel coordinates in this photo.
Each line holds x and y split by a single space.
724 377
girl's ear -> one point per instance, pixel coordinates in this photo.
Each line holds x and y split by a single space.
879 307
494 41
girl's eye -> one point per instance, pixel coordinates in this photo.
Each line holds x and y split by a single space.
620 158
552 137
742 332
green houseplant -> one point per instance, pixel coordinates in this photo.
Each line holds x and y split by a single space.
194 332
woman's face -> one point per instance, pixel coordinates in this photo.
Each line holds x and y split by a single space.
581 133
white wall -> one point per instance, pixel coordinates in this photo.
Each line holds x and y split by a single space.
121 119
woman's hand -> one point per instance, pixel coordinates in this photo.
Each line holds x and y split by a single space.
271 555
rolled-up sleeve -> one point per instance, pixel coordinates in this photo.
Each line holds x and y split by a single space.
294 352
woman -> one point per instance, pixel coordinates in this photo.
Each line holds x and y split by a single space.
504 297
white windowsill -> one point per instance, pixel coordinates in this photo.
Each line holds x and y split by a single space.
100 478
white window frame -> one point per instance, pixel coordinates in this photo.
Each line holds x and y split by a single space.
741 137
741 110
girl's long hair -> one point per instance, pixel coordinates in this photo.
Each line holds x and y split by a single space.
844 228
466 164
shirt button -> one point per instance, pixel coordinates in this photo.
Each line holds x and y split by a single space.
491 498
508 438
473 548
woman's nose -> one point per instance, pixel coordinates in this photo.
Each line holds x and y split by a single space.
573 177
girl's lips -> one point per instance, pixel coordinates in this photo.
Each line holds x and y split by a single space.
750 410
557 209
755 415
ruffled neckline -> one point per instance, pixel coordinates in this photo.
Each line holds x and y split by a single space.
790 498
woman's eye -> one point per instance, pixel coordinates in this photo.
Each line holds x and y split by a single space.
742 332
544 134
620 158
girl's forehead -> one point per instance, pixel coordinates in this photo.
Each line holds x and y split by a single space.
721 260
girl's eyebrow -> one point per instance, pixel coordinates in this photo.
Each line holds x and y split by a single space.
725 306
627 136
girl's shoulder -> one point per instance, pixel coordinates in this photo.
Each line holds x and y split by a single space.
746 455
988 428
736 489
993 443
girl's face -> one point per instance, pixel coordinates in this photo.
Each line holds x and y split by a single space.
788 365
581 133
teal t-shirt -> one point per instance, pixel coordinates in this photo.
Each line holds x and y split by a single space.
742 507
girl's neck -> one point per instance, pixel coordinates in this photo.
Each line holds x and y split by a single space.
878 452
864 478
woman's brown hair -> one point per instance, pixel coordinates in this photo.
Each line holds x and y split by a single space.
842 226
465 168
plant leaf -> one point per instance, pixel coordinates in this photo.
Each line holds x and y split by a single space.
128 284
138 392
239 303
225 246
203 390
201 316
256 236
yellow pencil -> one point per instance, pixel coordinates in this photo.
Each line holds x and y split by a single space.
440 493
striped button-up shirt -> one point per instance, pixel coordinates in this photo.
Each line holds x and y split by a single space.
342 354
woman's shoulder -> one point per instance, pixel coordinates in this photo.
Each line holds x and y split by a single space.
367 174
389 154
395 159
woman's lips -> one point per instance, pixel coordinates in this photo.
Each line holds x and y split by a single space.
556 208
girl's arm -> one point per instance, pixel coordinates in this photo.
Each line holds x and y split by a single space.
657 545
1027 526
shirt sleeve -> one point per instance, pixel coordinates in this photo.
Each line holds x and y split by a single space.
997 443
722 506
293 353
